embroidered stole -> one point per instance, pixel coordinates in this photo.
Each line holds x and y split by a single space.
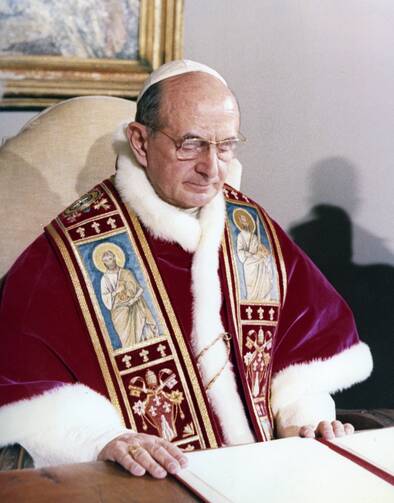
149 371
256 282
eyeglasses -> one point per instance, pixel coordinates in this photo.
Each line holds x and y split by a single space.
191 148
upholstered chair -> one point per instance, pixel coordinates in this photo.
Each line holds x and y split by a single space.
57 156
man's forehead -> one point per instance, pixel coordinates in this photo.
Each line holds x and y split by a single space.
197 94
195 105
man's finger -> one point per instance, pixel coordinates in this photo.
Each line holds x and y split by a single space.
143 458
307 432
349 429
338 428
325 430
163 456
123 457
132 466
176 453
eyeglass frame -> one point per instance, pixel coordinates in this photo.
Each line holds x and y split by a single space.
240 139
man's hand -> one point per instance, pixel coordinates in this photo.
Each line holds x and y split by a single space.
139 453
327 430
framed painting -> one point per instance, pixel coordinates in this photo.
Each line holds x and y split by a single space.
51 50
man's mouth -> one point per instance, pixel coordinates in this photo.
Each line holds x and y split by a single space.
200 187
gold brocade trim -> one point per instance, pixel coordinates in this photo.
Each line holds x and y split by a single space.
174 322
92 219
140 345
178 334
231 265
144 366
229 279
280 256
264 323
269 392
101 322
88 320
187 440
247 302
91 239
238 324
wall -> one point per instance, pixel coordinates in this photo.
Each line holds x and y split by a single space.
315 83
11 123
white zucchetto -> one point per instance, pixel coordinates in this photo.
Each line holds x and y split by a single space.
174 68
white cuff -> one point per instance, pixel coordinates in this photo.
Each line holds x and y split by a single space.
309 410
339 372
69 424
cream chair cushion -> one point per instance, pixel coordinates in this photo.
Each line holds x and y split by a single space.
58 155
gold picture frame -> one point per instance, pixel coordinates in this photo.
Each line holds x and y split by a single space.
39 81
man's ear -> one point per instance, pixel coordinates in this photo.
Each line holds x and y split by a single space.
138 139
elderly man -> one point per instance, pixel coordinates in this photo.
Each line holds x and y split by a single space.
221 367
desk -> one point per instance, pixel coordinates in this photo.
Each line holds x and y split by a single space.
88 483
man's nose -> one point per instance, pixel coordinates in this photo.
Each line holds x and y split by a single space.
208 162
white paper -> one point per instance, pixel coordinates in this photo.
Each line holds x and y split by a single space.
375 446
295 470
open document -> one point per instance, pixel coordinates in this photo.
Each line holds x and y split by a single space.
357 468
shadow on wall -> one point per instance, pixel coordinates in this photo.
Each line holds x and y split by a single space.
327 237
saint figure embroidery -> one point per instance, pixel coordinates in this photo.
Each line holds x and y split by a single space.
122 295
254 256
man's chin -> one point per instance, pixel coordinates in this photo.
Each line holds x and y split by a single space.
198 200
196 196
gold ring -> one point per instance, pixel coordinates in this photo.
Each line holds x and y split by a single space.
134 449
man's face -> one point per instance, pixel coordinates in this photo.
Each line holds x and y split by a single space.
244 222
192 105
109 261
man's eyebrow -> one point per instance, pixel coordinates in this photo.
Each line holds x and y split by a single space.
189 136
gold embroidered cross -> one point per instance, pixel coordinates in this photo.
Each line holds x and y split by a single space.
144 354
112 223
234 194
260 310
81 232
249 312
271 312
126 360
96 227
102 204
162 350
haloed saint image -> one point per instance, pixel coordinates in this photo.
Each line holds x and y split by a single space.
122 295
254 256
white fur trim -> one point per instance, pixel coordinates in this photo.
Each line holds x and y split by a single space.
163 220
308 410
207 326
68 424
203 237
339 372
